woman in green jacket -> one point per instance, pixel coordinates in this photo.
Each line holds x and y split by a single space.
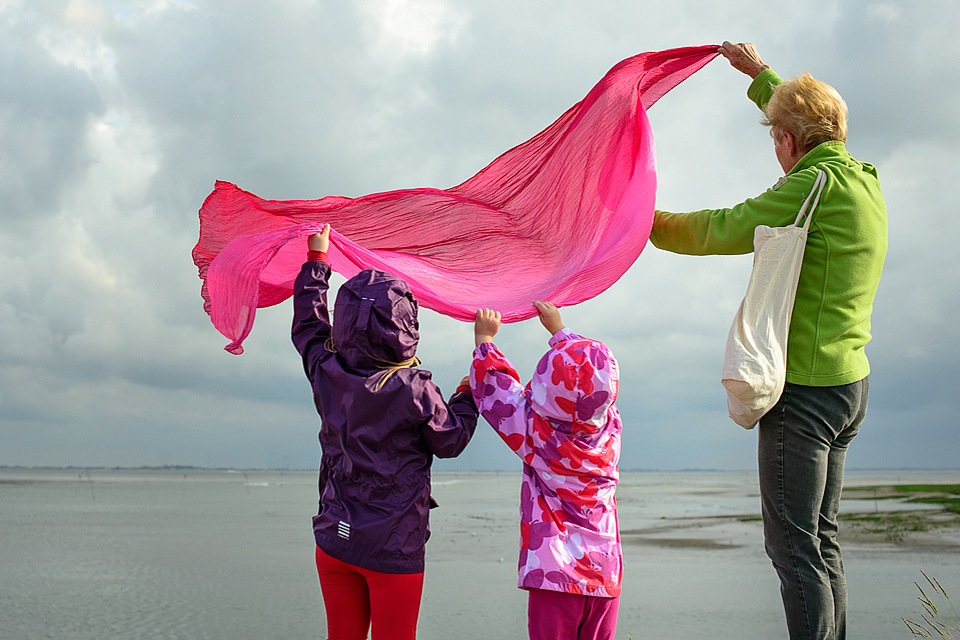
804 438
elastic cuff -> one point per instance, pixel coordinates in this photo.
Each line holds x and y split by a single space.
483 349
319 256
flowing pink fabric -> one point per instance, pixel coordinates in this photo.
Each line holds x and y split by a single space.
559 217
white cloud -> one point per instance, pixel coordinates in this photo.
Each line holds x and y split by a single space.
86 15
412 28
75 38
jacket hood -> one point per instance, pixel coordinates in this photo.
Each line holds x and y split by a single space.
375 320
576 382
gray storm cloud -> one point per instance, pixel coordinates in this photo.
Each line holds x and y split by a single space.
116 118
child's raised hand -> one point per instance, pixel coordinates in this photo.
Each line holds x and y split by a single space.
320 241
486 325
549 316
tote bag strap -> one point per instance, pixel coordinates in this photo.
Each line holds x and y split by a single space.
815 192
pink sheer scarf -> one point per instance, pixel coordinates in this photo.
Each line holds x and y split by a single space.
559 217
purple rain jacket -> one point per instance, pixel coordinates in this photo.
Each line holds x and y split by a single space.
377 446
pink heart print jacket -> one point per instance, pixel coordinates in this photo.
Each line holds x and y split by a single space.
565 427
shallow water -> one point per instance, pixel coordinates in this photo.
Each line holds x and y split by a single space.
213 554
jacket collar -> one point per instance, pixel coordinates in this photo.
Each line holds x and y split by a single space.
835 149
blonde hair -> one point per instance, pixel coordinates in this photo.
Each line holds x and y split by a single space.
389 367
811 110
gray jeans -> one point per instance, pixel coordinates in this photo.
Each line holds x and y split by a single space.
803 444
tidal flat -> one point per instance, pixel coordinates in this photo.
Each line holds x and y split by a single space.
195 553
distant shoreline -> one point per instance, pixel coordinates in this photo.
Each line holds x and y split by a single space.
187 467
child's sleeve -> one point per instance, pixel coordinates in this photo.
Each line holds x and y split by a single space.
450 425
311 321
563 334
500 398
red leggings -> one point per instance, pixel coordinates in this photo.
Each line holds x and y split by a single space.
359 599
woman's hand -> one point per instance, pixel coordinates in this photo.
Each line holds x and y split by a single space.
549 316
485 326
743 57
320 241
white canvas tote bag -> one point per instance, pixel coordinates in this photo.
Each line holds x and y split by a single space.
755 361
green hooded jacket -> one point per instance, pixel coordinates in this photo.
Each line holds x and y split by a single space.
842 262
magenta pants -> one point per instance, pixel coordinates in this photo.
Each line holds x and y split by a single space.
552 615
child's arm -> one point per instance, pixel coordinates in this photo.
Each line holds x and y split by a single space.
485 326
550 319
311 322
318 244
496 387
549 316
451 424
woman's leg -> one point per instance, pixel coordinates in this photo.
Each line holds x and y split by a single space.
803 442
345 598
829 511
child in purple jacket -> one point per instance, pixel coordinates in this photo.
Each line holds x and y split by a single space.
565 427
382 421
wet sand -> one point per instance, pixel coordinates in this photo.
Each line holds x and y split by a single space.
197 554
695 564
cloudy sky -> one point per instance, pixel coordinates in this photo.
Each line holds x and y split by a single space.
117 116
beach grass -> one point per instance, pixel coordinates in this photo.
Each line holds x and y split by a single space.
947 495
897 525
938 622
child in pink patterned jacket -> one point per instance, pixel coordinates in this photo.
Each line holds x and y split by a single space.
565 427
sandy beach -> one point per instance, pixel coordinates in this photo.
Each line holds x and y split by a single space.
196 554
